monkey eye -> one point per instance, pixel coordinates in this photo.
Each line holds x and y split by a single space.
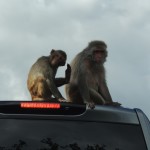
102 51
61 58
57 55
99 51
96 51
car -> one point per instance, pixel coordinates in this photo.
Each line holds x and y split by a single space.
32 125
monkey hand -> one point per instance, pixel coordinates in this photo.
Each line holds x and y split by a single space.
113 104
62 100
116 104
91 105
68 73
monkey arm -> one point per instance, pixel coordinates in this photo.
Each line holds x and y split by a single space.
104 91
82 83
53 88
96 97
60 81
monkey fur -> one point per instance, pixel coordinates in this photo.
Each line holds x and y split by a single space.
41 82
88 81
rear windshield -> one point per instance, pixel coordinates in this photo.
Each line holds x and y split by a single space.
16 134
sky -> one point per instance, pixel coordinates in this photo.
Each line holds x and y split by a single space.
29 29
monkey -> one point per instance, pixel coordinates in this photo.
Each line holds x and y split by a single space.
41 81
88 82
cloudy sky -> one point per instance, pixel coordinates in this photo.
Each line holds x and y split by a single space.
31 28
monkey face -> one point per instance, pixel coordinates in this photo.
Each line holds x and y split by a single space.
99 54
58 59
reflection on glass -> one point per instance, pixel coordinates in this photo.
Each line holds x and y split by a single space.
17 134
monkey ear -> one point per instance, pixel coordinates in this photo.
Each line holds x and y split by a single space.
52 51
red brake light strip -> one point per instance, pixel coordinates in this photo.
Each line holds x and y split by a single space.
40 105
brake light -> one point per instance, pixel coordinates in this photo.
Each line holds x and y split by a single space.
40 105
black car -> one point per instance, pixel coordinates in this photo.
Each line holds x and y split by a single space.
65 126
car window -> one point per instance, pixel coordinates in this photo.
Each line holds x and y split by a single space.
17 134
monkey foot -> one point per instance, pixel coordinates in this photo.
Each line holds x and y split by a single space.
91 105
62 100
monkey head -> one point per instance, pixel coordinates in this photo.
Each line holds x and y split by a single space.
97 51
57 58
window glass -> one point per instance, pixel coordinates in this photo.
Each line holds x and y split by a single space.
70 135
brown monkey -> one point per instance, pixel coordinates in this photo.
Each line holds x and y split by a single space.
41 82
88 83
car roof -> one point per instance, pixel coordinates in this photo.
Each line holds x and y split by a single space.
69 111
